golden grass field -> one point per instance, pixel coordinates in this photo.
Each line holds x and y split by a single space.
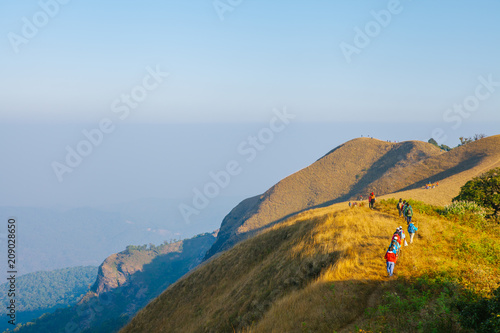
319 272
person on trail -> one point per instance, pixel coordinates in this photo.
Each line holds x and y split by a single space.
398 234
403 236
396 243
411 230
409 213
400 207
394 246
371 200
399 237
391 259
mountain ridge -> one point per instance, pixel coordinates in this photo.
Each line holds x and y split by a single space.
354 168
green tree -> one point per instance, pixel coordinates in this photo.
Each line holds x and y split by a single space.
483 190
434 142
445 147
476 137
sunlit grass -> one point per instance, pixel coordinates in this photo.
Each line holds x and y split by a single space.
324 271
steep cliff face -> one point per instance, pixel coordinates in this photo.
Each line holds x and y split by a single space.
125 283
117 270
355 168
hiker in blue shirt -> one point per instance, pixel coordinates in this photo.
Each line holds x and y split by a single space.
395 244
411 230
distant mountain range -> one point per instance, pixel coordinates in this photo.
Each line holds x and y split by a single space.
45 291
125 283
52 239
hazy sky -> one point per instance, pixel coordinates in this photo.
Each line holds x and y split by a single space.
180 85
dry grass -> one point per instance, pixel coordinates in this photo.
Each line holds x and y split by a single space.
318 272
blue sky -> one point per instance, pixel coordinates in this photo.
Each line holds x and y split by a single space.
264 54
225 78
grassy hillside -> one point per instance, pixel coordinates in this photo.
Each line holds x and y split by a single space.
356 168
323 271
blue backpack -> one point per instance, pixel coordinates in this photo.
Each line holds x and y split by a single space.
412 228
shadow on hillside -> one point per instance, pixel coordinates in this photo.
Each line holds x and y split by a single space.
237 288
400 154
468 164
377 171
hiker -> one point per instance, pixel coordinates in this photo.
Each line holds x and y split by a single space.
396 243
403 209
403 236
399 238
391 258
411 230
409 213
371 200
400 207
394 246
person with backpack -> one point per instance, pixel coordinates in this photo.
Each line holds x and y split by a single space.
395 243
403 236
394 246
409 213
399 237
412 230
371 200
400 207
391 259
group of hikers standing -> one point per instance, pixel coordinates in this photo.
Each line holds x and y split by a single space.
398 239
